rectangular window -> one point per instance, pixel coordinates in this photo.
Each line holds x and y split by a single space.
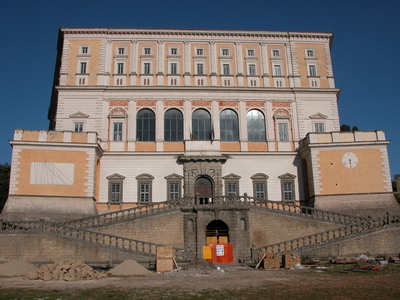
146 68
312 70
253 82
250 52
283 132
199 51
147 50
83 67
226 70
319 127
81 81
174 67
119 81
85 49
121 51
146 81
174 51
227 82
260 190
115 192
277 70
310 53
120 68
278 83
200 70
174 81
287 191
200 81
173 191
78 127
144 192
252 69
276 53
117 132
225 51
231 190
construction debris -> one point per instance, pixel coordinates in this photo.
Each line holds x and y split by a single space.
66 270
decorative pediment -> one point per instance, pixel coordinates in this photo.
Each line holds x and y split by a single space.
115 176
260 176
282 113
144 176
231 177
79 114
118 112
287 176
318 116
173 176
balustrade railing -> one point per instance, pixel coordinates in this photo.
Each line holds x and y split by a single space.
331 235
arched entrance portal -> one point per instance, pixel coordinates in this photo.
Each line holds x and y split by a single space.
203 188
217 232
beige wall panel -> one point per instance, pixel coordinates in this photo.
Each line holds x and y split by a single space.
145 146
74 50
78 158
366 177
30 135
257 146
177 146
230 146
79 137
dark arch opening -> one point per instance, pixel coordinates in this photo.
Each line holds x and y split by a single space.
217 232
203 189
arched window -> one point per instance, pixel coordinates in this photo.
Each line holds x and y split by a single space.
201 125
229 125
146 124
173 125
255 126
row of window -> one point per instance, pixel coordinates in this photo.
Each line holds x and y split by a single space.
202 128
174 188
310 53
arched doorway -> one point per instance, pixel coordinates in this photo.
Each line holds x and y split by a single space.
203 188
217 232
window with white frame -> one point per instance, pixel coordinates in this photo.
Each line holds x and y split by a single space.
226 82
119 81
226 69
117 131
174 68
173 81
81 80
278 83
312 70
283 130
146 68
121 50
319 127
147 50
225 51
78 126
84 49
200 81
253 82
144 182
310 53
276 53
174 186
174 51
287 186
250 52
260 186
115 188
277 70
314 83
200 69
120 68
252 69
83 67
231 186
199 51
146 81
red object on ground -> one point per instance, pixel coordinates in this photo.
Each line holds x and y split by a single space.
221 253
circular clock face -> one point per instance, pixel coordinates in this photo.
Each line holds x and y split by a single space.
350 160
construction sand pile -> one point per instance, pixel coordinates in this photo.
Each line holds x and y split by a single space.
16 268
66 270
130 268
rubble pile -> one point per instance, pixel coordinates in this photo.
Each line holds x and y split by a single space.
66 270
15 268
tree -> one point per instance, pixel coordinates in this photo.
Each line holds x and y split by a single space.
345 127
4 183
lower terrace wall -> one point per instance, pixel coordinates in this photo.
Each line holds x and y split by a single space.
382 242
267 228
165 229
37 248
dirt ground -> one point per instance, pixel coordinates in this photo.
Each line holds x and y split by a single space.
236 282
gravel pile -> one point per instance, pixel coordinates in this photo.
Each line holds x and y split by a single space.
16 268
130 268
66 270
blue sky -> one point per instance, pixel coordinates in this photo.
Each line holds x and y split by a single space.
364 52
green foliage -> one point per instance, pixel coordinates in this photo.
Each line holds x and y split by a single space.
354 128
4 183
345 127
